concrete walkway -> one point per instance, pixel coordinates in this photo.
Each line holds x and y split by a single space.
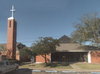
74 66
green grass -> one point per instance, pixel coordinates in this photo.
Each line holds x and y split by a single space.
46 66
59 67
88 66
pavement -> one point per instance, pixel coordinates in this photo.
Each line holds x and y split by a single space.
21 71
30 71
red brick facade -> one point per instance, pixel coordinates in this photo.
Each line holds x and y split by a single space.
18 56
95 57
11 39
41 59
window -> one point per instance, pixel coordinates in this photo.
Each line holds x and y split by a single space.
9 24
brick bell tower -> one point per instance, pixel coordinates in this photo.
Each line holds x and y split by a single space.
11 36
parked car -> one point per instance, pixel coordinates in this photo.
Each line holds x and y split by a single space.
7 66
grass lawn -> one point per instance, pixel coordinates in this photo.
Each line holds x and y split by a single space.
60 67
47 67
88 66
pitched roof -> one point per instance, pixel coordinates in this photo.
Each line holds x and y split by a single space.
74 47
65 39
4 46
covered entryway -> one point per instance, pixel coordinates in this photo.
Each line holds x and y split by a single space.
69 56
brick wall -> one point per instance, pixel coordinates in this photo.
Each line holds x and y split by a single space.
11 38
95 57
41 59
18 55
5 53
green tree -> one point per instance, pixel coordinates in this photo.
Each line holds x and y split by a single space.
25 54
87 30
44 46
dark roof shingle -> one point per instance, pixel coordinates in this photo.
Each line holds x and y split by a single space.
74 47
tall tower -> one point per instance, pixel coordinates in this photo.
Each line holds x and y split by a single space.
11 37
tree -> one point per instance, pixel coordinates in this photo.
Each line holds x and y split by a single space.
87 30
25 54
2 49
44 46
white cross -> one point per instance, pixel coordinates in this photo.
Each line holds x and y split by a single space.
12 10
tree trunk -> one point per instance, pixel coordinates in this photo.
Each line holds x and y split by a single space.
45 58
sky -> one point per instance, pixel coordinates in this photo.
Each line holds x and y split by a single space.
44 18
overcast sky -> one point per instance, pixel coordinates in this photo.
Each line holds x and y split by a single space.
41 18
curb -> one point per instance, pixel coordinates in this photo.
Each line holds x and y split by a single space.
54 71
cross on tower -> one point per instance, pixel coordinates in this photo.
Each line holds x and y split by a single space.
11 39
12 10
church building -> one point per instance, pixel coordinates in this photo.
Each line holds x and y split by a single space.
10 46
70 52
11 38
66 52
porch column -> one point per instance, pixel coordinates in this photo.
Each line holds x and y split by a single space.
50 57
89 57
